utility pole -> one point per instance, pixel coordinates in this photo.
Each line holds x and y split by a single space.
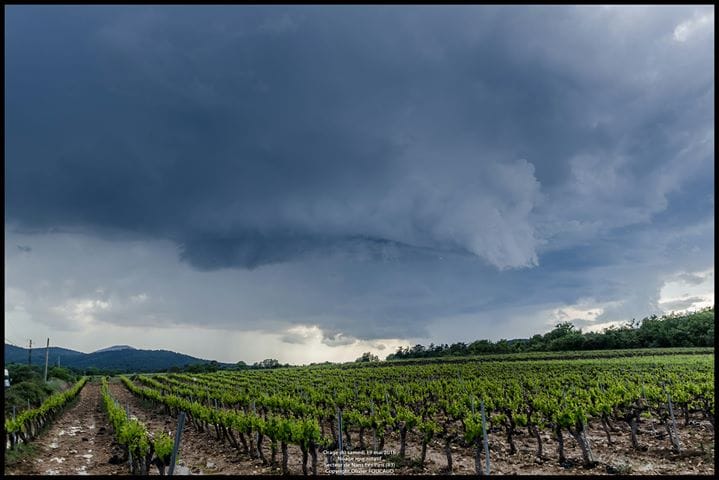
29 353
47 352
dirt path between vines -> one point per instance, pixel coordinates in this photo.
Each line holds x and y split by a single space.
697 457
201 453
80 442
77 443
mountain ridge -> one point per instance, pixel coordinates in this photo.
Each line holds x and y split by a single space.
128 359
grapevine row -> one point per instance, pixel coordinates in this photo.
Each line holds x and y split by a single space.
28 424
144 449
441 400
251 429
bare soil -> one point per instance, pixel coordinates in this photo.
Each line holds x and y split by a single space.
696 456
201 453
81 443
77 443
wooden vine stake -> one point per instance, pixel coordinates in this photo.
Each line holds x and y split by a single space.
673 436
176 446
484 434
339 439
129 452
586 441
374 432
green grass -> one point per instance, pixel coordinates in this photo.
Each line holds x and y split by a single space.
58 385
561 355
21 452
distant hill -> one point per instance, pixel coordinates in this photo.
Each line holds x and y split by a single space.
15 354
119 357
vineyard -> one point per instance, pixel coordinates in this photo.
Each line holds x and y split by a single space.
570 416
26 426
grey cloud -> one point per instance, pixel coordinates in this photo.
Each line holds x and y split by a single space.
24 248
692 279
337 340
583 322
294 338
251 145
347 298
367 170
682 304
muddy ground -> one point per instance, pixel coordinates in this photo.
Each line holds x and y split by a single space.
80 442
77 443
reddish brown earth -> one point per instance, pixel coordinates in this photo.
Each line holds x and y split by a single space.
200 452
77 443
696 457
62 449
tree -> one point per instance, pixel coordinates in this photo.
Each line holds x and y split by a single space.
61 373
536 343
481 346
458 348
267 363
368 357
571 341
417 351
503 346
560 330
20 372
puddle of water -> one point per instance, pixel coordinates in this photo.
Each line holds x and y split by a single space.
180 470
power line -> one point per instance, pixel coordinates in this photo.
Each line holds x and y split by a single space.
12 343
7 329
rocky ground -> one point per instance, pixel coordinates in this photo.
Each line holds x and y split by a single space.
77 443
80 442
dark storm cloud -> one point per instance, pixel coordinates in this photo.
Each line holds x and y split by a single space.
366 170
252 249
253 135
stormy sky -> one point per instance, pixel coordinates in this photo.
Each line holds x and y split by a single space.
308 183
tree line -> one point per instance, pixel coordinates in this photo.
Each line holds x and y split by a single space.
686 330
